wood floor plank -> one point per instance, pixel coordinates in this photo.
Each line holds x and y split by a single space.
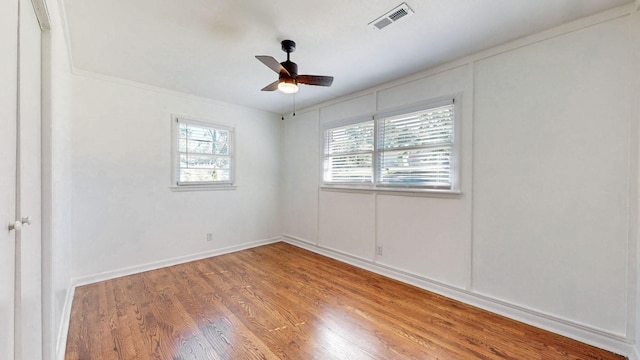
282 302
214 322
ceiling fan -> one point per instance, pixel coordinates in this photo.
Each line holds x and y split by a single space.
288 78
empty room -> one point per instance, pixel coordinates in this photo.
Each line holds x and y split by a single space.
419 179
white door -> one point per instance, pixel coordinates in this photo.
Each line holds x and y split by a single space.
8 91
28 329
20 278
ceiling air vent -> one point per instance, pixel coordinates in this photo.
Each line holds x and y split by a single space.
401 11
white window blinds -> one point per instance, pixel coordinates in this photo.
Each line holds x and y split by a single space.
349 153
204 153
416 149
412 149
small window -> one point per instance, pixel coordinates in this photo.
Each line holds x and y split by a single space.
408 149
204 153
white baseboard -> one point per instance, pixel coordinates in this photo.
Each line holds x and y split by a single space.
63 330
108 275
596 337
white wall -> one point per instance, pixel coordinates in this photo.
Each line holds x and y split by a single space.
634 248
56 182
124 214
551 175
543 227
300 198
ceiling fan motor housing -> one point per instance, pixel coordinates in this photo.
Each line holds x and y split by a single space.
291 67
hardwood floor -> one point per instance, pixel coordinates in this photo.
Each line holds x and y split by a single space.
282 302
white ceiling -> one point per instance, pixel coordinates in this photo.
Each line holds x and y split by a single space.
207 47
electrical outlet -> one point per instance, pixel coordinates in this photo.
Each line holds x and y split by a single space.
209 237
379 250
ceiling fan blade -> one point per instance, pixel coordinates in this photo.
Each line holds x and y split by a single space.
273 64
272 87
315 80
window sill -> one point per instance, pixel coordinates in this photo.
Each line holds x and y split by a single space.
435 193
202 188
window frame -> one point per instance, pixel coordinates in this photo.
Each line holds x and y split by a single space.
176 184
378 118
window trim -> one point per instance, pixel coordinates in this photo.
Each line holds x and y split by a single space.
454 191
176 185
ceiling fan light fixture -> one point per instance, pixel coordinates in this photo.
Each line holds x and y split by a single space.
288 86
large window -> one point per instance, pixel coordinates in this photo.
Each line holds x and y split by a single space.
203 153
413 148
